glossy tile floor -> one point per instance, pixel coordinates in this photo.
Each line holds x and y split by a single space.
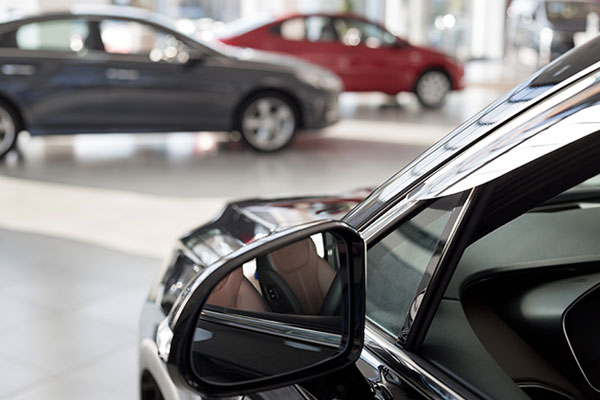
86 220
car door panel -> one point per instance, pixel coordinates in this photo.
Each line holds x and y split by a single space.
371 58
157 82
142 94
63 89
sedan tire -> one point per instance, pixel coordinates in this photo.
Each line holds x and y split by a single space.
9 128
268 121
432 88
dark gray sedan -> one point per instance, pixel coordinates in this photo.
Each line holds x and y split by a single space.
108 69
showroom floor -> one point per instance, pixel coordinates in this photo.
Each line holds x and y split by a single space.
87 220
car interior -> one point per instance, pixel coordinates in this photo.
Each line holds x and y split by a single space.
519 318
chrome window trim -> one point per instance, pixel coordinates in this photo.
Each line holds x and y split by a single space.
391 217
408 178
274 328
531 131
406 365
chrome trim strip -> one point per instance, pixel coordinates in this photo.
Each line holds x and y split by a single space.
274 328
417 376
387 219
527 137
429 163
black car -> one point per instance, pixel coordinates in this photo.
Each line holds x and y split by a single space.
115 69
472 273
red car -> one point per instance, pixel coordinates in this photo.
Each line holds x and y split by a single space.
364 54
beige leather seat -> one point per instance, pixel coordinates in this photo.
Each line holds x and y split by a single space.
236 291
294 279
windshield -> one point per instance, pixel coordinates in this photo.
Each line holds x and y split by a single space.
561 12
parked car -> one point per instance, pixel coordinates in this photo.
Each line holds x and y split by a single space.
482 261
362 53
115 69
547 27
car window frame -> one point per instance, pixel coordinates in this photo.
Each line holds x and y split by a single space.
329 23
192 47
362 44
14 28
439 268
276 30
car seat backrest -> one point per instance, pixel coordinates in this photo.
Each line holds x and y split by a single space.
297 273
236 291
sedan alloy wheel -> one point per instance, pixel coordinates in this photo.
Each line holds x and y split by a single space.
268 123
432 88
8 130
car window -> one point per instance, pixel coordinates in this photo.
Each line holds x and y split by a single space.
293 29
320 29
398 263
134 38
57 35
354 32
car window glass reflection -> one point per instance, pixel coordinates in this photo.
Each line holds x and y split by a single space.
354 32
129 37
297 279
57 35
320 29
293 29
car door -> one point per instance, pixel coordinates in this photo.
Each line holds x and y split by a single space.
49 68
312 38
156 82
371 59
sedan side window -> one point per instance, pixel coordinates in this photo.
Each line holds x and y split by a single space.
56 35
134 38
354 32
401 263
320 29
293 29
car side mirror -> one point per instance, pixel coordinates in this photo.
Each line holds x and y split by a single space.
279 311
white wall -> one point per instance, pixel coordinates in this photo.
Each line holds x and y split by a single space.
26 6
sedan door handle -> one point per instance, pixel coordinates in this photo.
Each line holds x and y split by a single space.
122 74
18 69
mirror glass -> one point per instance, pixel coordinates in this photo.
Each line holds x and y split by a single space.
278 313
